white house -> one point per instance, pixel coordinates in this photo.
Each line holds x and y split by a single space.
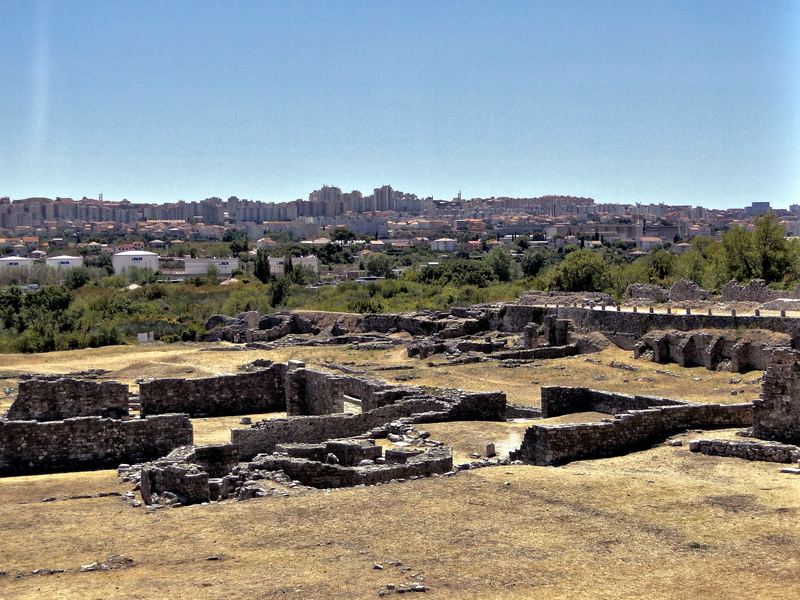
444 245
309 262
8 262
134 258
63 262
199 266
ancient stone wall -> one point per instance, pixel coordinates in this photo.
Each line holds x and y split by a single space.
311 392
322 475
776 414
647 292
635 325
748 450
63 398
263 436
563 400
756 290
684 289
479 406
558 444
88 442
246 393
188 481
375 393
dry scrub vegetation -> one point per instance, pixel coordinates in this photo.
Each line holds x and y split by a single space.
663 523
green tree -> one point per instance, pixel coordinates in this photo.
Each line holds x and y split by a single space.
261 269
280 291
500 262
763 253
343 234
378 264
581 271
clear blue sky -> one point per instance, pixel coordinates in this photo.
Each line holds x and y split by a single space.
682 102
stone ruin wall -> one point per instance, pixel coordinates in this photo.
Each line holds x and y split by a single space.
708 348
88 442
755 290
57 398
630 326
748 450
776 414
311 392
195 483
245 393
632 430
264 436
560 400
277 388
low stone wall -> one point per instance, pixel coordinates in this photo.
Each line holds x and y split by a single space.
246 393
262 437
322 475
188 481
561 400
57 399
479 406
749 450
88 442
558 444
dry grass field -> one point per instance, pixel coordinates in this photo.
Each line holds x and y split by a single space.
663 523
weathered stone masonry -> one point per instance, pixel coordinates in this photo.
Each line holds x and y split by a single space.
631 430
776 414
88 442
277 388
53 399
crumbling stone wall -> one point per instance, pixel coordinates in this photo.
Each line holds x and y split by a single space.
88 442
755 290
635 325
684 289
311 392
748 450
323 475
188 481
647 292
375 393
61 398
634 430
262 437
564 400
246 393
776 414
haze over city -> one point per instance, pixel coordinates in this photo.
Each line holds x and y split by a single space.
694 103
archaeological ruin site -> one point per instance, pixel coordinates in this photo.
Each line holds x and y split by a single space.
327 425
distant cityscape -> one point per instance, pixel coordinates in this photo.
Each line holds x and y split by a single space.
386 213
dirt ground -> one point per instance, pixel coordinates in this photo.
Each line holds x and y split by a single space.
663 523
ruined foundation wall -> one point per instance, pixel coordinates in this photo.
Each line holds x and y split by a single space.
562 400
56 399
263 436
748 450
558 444
311 392
247 393
321 475
88 442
